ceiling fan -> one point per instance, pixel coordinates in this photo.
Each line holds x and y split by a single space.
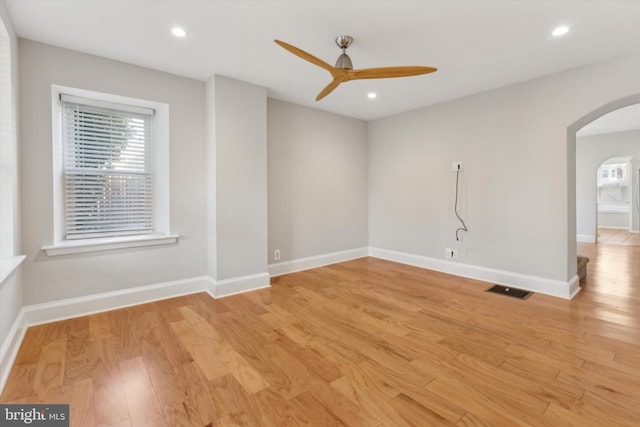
343 71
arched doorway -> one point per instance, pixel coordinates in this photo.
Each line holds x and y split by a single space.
607 160
571 172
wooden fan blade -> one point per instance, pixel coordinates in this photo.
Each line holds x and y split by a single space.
386 72
327 90
304 55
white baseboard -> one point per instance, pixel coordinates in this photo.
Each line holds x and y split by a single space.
90 304
557 288
586 238
300 264
614 227
10 347
238 285
574 286
35 314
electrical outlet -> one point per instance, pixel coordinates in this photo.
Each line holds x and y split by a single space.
454 254
456 166
450 253
276 254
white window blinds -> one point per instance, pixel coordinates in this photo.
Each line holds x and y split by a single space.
107 168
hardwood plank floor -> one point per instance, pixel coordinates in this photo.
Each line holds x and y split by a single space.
361 343
620 237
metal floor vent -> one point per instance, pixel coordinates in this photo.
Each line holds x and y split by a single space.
512 292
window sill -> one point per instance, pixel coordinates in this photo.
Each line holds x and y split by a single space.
9 265
69 247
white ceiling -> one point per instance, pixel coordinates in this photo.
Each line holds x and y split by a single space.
476 45
624 119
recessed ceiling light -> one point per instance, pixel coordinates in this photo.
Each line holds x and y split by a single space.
559 31
372 95
178 32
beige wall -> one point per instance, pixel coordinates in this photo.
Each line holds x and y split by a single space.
317 182
54 278
518 182
237 179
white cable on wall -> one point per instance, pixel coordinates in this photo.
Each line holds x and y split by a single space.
455 209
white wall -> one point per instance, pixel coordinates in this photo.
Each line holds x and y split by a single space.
519 172
9 167
212 249
591 151
635 189
615 220
237 149
10 239
9 163
54 278
8 147
317 182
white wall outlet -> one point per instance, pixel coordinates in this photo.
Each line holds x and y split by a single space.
450 253
454 253
276 254
456 166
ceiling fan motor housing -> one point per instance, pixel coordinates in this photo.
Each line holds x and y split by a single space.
344 61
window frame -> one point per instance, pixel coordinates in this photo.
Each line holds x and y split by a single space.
160 178
617 179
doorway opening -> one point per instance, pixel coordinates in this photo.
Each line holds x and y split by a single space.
607 176
618 201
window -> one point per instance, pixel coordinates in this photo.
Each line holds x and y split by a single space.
107 169
111 172
613 191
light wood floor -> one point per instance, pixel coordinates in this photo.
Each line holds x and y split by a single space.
622 237
362 343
